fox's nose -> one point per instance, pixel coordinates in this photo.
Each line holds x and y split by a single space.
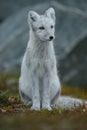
51 38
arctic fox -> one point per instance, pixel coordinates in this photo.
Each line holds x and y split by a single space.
39 84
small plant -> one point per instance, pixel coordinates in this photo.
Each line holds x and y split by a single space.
4 99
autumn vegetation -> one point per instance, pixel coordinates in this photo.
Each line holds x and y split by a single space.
16 116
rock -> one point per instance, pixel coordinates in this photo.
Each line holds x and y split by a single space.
12 7
70 43
73 67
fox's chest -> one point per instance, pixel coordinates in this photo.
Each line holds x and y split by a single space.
40 60
40 67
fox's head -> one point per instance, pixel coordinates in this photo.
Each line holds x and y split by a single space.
43 26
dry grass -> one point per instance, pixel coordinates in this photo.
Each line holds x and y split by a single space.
16 116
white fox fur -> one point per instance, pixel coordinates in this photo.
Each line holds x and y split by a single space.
39 83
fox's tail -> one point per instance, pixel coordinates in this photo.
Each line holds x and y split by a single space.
67 102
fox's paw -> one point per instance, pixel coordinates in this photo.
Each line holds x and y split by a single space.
36 108
47 108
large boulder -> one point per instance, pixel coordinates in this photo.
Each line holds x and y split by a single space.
13 6
70 43
73 68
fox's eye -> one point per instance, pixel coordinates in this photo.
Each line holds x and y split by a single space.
41 28
51 26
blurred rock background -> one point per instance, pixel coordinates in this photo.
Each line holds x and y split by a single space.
71 36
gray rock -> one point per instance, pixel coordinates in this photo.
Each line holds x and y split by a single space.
13 6
70 43
73 68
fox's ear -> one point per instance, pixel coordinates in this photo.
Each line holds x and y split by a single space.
50 12
33 16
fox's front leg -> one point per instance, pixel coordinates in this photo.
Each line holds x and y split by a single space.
46 94
35 93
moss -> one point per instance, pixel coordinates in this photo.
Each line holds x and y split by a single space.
4 99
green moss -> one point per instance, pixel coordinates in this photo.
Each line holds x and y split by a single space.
4 99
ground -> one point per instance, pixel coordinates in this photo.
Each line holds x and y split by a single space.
16 116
